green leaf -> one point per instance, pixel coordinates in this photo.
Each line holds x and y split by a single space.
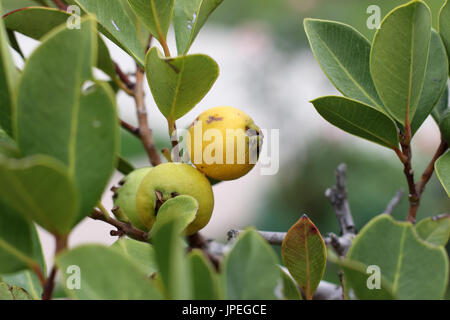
19 242
359 119
141 253
182 208
441 107
39 188
26 280
434 230
289 288
442 167
116 25
398 58
435 81
8 146
8 79
20 294
106 274
204 278
178 84
36 22
357 278
5 292
444 25
444 126
124 166
304 255
172 262
250 270
156 15
344 55
189 18
75 125
401 256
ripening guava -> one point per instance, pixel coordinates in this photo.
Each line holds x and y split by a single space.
167 181
224 143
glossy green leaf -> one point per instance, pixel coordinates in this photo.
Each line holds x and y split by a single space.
289 288
441 107
67 121
106 274
36 22
434 230
139 252
435 81
444 126
444 25
39 188
189 18
5 292
26 280
182 208
19 243
344 55
401 256
357 276
359 119
172 262
442 167
304 255
204 278
20 294
8 146
398 58
116 25
8 81
178 84
156 15
250 270
124 166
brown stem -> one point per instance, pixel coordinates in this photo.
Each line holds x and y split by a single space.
60 4
49 286
144 130
130 128
122 227
427 174
198 241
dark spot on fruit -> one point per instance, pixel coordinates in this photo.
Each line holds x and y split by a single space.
213 118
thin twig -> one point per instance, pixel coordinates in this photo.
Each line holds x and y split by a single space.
443 146
144 130
394 202
122 227
338 198
60 4
198 241
49 286
130 128
273 238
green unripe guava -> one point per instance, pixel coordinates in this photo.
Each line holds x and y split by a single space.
169 180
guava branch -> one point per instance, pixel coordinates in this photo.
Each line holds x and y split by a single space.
339 200
49 285
122 227
428 173
60 4
145 132
394 202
